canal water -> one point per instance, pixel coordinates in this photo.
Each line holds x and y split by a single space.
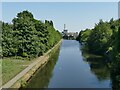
68 68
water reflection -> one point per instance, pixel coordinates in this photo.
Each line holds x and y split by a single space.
98 66
72 70
42 77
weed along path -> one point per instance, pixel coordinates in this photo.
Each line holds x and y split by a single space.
24 75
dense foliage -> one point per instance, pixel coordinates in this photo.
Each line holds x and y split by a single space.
28 37
104 39
84 35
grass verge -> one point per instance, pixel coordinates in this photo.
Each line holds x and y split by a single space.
11 67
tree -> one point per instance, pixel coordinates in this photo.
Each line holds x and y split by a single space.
7 40
99 38
105 39
28 37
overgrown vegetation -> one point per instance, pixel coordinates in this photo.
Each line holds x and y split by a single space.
104 39
28 37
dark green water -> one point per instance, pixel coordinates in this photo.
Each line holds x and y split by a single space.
68 68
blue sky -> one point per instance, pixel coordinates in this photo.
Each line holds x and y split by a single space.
76 16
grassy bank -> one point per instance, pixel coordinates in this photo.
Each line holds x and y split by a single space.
12 66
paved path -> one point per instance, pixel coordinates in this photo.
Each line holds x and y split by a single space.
40 59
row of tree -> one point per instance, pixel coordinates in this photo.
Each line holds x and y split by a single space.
27 36
104 39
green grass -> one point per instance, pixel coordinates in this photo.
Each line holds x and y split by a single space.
11 67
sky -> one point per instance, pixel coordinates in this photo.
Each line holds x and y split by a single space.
76 15
60 0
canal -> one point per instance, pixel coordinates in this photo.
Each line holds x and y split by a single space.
68 68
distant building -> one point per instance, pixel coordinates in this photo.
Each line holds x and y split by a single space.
65 32
69 35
